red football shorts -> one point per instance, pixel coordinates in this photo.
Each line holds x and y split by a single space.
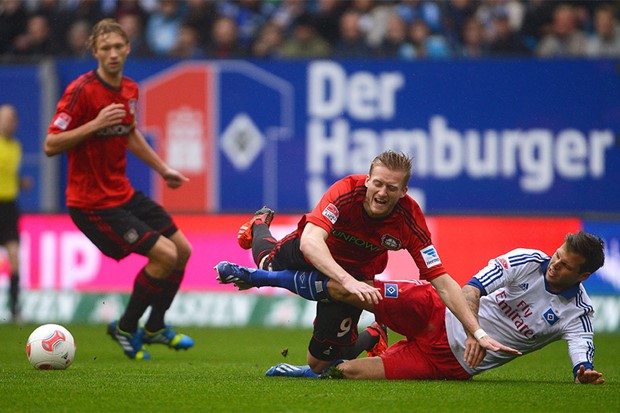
414 310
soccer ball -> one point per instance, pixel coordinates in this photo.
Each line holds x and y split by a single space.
50 347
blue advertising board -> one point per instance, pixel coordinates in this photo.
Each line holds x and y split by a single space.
487 136
492 137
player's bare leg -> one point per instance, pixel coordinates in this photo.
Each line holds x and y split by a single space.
370 368
317 366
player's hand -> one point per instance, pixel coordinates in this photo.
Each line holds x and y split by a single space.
491 344
365 292
174 179
474 352
588 376
111 115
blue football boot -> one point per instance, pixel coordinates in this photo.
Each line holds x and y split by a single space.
167 336
288 370
132 344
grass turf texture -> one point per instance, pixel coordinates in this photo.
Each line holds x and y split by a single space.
225 372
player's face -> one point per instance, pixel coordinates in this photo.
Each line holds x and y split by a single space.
564 270
384 188
111 51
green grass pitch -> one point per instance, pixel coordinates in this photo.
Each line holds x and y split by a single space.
224 372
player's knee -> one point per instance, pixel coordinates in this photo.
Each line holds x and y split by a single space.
164 255
183 248
184 251
317 366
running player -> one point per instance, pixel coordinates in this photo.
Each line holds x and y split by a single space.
524 298
348 236
95 123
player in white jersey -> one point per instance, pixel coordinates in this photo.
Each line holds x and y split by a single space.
525 299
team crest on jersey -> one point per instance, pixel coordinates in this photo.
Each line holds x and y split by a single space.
133 103
390 242
62 121
331 212
431 258
550 317
390 290
131 236
503 262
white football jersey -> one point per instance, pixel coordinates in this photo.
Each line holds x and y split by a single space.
519 312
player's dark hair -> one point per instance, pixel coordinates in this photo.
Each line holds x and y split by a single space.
394 161
105 26
590 247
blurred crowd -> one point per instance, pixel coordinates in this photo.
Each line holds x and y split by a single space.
399 29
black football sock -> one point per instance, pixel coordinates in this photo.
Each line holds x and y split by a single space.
14 294
365 341
262 241
163 301
145 289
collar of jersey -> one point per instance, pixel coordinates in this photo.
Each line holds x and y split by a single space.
105 84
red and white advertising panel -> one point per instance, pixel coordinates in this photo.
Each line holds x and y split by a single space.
55 254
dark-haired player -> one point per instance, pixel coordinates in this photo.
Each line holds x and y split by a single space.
524 298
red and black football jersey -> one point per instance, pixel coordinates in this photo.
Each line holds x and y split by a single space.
97 166
359 243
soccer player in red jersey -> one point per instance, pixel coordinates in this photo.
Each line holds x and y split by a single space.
347 236
95 123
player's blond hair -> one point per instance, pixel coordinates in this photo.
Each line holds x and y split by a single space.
104 27
394 161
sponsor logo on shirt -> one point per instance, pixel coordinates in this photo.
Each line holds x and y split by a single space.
352 239
503 262
524 286
390 290
518 313
116 130
331 212
390 242
62 121
550 317
431 258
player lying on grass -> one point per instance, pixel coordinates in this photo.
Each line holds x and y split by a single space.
524 298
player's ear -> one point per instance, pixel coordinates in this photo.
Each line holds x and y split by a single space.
405 190
584 276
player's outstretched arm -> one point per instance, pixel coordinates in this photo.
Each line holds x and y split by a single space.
314 248
451 294
587 376
474 352
142 150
